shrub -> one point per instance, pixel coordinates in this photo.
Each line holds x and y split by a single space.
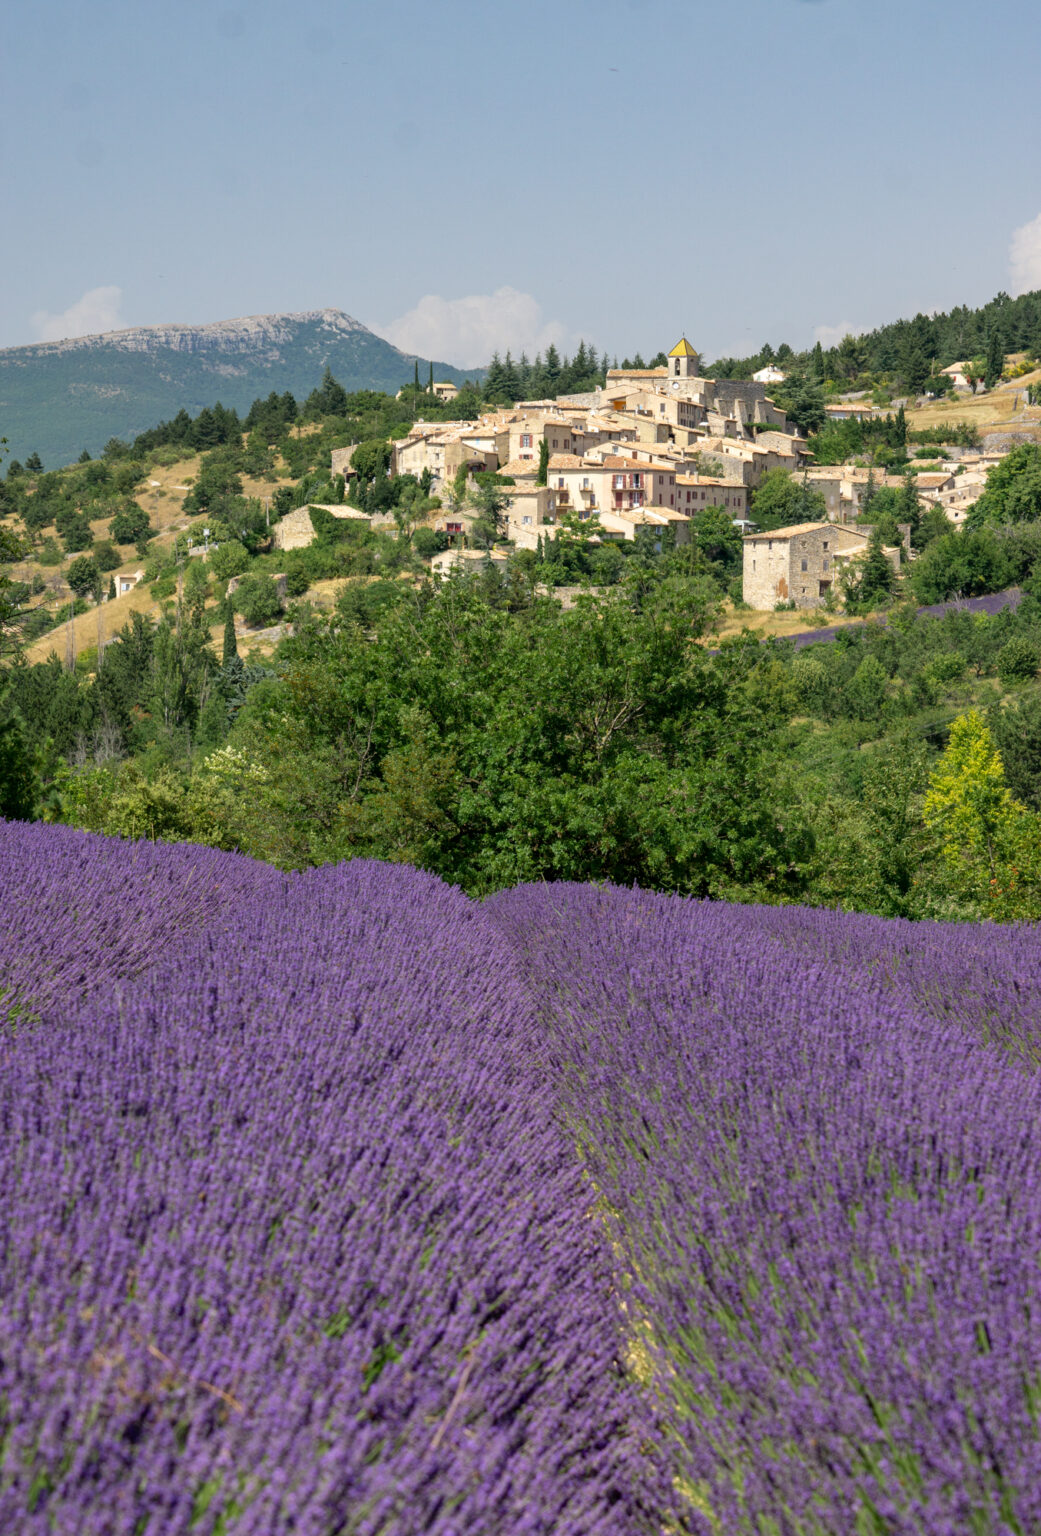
229 559
297 581
257 599
947 666
49 553
107 555
1018 660
428 542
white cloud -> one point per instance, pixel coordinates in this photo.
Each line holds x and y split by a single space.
467 331
831 335
98 310
1024 256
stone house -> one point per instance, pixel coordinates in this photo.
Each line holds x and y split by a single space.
800 564
696 492
609 482
296 530
529 514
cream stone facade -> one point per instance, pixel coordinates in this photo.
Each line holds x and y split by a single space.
696 492
800 564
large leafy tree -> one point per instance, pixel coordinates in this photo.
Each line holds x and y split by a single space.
493 746
1013 490
782 499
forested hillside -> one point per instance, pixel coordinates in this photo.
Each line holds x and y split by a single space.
909 352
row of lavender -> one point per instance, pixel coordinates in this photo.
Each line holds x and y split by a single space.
292 1238
295 1236
817 1139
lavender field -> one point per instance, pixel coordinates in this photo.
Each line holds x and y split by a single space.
337 1203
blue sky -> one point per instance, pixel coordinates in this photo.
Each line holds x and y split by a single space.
464 174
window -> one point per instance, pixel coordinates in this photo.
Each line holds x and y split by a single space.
525 439
825 544
525 519
636 480
804 565
825 562
560 482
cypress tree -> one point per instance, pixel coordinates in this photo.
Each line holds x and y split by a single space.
231 645
542 477
995 359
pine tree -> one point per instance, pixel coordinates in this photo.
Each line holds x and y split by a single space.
430 381
817 361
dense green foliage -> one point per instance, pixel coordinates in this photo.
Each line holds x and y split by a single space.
910 352
478 730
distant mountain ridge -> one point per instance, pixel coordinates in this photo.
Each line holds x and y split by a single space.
58 397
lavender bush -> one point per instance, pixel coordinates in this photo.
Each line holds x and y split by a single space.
336 1203
292 1238
823 1181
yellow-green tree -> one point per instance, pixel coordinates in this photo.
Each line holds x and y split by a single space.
988 840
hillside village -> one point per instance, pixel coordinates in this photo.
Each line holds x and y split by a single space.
639 458
650 449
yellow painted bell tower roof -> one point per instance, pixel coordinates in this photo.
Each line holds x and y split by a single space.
683 348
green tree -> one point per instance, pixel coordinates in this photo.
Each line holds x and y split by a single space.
19 783
229 559
782 499
966 563
129 524
542 475
83 576
995 359
1018 660
230 651
981 828
909 508
870 581
1013 490
257 599
1017 735
866 690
